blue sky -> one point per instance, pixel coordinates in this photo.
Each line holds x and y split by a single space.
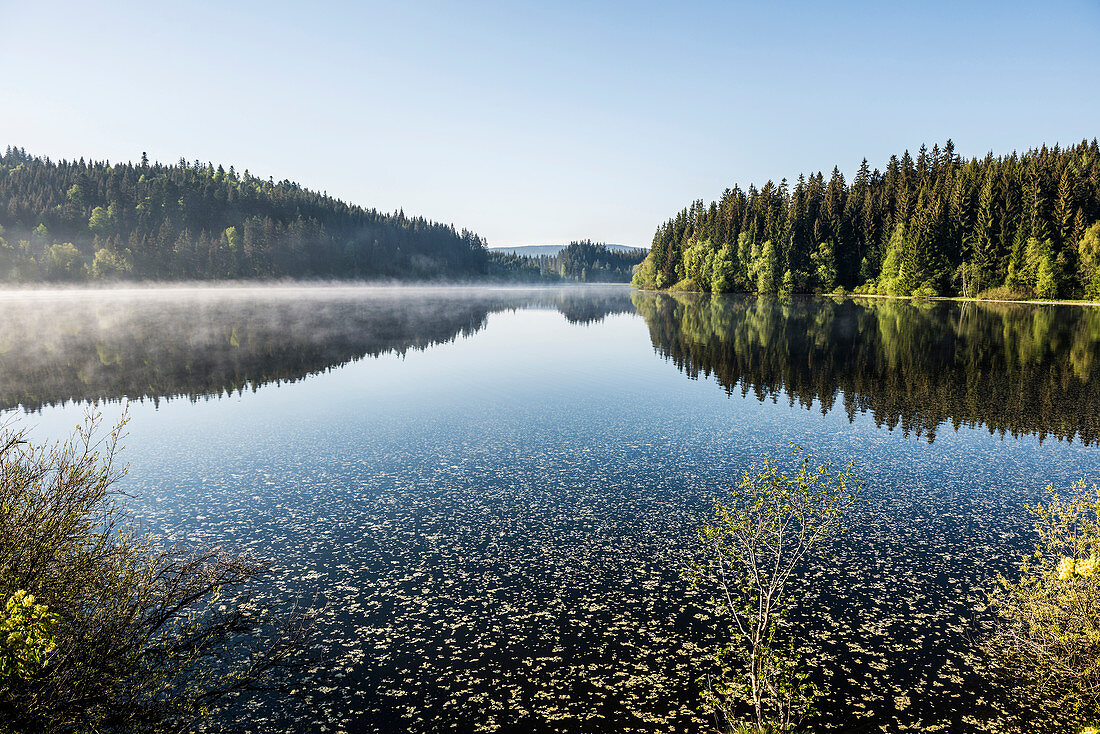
543 122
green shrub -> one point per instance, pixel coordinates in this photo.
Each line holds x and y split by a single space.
1047 635
110 264
26 639
927 290
105 630
644 275
1046 285
64 262
1088 252
724 271
867 288
1006 293
687 284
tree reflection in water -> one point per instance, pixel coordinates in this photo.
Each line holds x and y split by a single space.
1013 368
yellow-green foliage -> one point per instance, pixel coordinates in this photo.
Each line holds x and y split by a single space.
686 285
108 263
152 639
64 262
1088 251
645 275
26 639
1048 631
698 264
724 271
890 280
824 260
757 539
1076 568
764 268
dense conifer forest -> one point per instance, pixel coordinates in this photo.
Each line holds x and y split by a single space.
1017 226
585 261
75 220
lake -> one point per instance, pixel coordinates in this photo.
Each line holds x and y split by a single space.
494 489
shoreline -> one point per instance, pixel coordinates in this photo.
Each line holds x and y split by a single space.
229 286
964 299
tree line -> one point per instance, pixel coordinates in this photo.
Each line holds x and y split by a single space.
584 260
1015 226
75 220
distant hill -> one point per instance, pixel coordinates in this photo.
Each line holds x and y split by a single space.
585 261
537 250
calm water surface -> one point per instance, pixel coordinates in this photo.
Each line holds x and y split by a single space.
495 489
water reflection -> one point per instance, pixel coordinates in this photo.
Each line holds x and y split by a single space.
1013 368
85 346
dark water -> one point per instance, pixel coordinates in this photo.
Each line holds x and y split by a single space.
495 489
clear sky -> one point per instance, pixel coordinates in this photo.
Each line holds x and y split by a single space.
543 122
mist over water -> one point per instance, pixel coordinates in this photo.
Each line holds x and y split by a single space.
88 344
495 489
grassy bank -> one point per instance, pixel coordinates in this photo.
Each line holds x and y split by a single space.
967 299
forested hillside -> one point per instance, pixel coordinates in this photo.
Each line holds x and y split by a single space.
585 261
1013 226
72 220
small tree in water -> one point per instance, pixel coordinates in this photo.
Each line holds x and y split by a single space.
760 535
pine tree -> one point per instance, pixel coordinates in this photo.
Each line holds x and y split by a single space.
987 255
1065 208
1038 203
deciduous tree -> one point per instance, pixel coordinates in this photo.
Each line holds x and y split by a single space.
761 534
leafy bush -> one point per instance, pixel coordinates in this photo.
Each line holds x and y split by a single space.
107 631
724 271
927 290
64 262
1047 635
1088 252
786 287
110 264
687 284
868 288
1006 293
26 639
890 280
763 269
824 261
1046 284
